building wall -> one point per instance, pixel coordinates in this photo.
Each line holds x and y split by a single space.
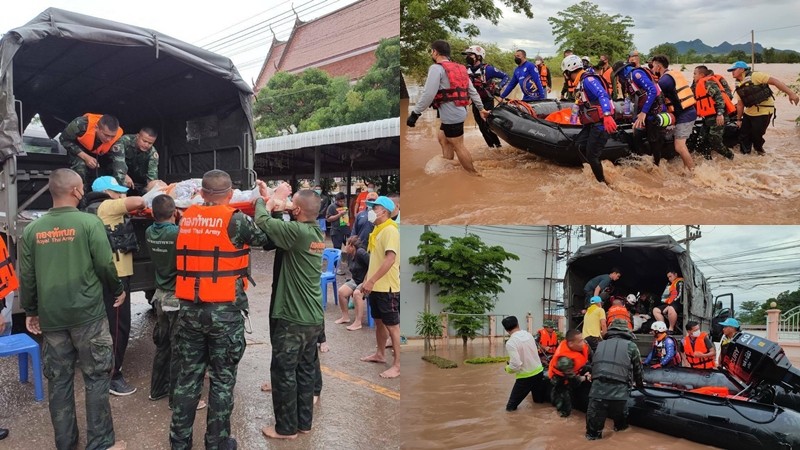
522 295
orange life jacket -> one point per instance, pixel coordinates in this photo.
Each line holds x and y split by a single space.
8 277
548 339
88 138
673 290
208 262
699 347
580 358
682 90
361 202
618 312
705 103
606 74
543 71
458 92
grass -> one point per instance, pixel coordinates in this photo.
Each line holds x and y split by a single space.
487 360
440 362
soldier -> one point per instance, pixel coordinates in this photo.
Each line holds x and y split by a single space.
569 367
547 341
713 106
8 283
615 362
67 310
141 158
210 324
297 316
89 140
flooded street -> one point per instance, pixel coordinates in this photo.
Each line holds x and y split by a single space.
517 187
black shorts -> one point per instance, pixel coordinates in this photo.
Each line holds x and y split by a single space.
676 306
452 130
385 306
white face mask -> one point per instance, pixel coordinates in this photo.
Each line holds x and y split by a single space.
696 333
371 216
370 190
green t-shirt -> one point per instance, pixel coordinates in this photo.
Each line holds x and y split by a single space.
66 260
161 237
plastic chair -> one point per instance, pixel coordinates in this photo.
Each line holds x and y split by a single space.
22 345
323 224
370 320
331 256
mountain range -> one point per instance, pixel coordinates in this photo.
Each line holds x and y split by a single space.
724 48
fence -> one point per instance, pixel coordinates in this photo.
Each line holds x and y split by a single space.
491 332
784 327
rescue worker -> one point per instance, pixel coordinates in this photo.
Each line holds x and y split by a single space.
697 346
213 257
483 77
673 304
665 349
568 368
526 75
605 71
568 89
596 111
141 158
544 74
8 279
640 85
594 323
755 104
616 362
449 90
713 106
619 311
730 327
598 285
112 206
547 340
680 101
524 363
633 58
67 309
89 140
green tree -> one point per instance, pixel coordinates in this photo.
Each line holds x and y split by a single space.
667 49
469 275
738 55
424 21
769 55
691 56
750 312
588 31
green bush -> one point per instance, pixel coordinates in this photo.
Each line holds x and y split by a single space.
487 360
442 363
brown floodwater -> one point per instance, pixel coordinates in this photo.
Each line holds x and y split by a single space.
517 187
464 408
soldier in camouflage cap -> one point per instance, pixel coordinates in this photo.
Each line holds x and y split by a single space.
568 368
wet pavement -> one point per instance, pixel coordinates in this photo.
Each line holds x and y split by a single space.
357 409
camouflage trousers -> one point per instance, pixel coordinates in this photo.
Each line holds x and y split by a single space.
165 361
711 139
210 335
599 409
112 163
90 347
561 395
293 372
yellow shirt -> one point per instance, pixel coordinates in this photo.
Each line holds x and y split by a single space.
112 213
758 110
387 240
591 321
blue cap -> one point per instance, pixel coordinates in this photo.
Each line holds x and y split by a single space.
730 322
386 202
108 183
595 299
739 65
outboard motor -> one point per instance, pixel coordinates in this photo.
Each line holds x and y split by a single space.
753 360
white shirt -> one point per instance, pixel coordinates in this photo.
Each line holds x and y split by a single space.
522 352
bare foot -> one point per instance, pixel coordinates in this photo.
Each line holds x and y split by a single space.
374 358
354 327
119 445
201 405
316 399
343 320
392 372
324 348
266 387
271 433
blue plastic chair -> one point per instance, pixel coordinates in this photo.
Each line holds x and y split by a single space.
22 345
370 320
331 256
323 224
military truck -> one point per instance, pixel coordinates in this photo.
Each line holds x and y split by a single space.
61 65
644 262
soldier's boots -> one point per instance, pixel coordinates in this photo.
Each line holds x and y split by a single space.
594 437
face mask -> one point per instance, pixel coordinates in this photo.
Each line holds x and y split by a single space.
370 190
318 191
371 216
696 333
517 61
470 60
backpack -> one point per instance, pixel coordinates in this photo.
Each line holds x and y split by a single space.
123 236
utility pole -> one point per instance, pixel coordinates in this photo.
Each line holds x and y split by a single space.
588 232
627 231
753 49
427 303
692 233
589 229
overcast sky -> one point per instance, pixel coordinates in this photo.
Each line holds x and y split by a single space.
192 22
657 22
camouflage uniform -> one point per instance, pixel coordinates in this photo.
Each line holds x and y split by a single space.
563 387
711 134
142 167
165 361
211 335
112 163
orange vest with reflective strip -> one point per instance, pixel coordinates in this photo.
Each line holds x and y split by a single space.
682 90
208 262
673 291
705 103
699 347
88 138
543 71
580 358
619 312
458 92
548 339
8 277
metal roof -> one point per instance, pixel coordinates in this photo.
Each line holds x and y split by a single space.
337 135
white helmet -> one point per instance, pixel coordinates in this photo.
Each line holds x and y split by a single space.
571 63
477 49
658 326
631 299
586 58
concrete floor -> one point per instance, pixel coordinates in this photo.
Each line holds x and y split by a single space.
357 410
